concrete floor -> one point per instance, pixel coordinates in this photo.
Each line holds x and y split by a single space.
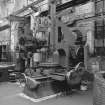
9 95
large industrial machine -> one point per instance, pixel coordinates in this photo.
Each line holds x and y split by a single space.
69 46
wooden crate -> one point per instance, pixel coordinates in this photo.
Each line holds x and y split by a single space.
99 29
99 90
100 51
99 5
99 43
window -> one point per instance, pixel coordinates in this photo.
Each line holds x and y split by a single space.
4 51
60 34
11 1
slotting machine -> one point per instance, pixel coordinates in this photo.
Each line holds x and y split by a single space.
67 50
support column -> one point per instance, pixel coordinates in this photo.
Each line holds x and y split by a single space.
52 8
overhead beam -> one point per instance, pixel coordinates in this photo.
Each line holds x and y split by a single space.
2 28
15 18
28 6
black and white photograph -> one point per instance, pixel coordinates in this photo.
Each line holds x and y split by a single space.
52 52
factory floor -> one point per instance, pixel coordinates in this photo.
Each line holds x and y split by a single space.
10 95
